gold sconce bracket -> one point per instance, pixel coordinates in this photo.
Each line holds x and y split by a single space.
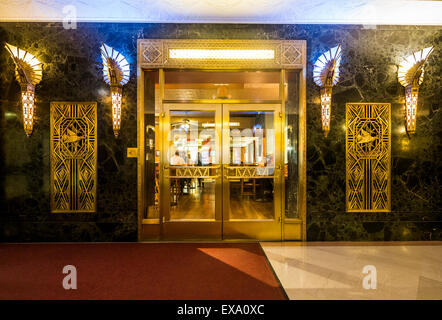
411 75
28 72
116 74
325 75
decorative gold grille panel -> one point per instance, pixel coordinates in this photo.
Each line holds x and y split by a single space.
193 172
73 156
250 172
368 143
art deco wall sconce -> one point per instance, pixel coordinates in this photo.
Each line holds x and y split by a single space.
116 74
326 75
411 75
28 72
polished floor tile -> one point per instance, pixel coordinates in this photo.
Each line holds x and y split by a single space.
336 270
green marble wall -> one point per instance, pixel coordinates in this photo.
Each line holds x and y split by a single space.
72 72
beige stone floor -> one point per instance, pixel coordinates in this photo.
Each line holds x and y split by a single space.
334 270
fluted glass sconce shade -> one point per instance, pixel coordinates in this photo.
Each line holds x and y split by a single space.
411 75
326 94
28 72
116 73
326 75
27 99
116 93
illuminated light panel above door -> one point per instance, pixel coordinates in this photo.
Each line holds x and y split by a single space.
231 54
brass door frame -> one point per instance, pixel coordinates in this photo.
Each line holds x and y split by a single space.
292 228
261 229
194 228
289 55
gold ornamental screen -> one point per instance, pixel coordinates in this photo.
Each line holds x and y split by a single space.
250 172
73 156
368 145
193 172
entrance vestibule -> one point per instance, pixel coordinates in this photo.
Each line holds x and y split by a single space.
221 153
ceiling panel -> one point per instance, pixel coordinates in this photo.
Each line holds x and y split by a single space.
369 12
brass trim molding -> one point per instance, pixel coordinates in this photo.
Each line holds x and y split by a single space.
249 172
155 53
193 171
73 156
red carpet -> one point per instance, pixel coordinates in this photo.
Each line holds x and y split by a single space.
138 271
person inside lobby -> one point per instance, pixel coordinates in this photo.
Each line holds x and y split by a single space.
177 185
177 160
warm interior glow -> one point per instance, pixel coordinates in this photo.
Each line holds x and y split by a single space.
27 98
212 125
411 94
325 106
232 54
116 111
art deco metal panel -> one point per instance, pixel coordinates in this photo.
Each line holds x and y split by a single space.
155 53
193 172
250 172
368 143
73 156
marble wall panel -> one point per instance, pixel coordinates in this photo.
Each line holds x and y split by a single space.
72 71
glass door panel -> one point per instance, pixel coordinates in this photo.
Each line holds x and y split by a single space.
252 171
192 171
233 186
193 159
